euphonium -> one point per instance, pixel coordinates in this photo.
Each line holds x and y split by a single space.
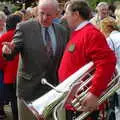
79 91
44 106
59 96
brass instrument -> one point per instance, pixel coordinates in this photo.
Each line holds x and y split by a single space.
55 99
43 106
113 86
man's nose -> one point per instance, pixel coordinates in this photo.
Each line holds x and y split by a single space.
44 17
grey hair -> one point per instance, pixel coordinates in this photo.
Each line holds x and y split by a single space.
101 4
117 12
3 16
53 3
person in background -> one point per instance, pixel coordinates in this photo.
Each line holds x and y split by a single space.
112 34
40 43
117 16
86 44
2 30
2 22
6 11
102 12
57 19
27 15
35 12
8 93
20 14
112 10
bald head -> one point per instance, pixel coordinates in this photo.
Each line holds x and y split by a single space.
47 11
53 3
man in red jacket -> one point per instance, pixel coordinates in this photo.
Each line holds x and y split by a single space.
86 44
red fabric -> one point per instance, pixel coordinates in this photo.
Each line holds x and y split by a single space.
9 67
89 45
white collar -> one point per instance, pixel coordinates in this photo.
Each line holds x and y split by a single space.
81 25
114 31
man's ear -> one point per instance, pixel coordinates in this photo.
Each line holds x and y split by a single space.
76 14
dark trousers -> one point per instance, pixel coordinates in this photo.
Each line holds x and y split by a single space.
14 109
8 94
112 102
70 115
13 100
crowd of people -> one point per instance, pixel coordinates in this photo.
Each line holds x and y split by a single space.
47 42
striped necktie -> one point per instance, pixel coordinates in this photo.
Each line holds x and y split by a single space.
48 43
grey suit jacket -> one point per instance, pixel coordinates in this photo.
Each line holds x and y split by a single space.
34 63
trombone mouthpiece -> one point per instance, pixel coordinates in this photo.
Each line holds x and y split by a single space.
43 81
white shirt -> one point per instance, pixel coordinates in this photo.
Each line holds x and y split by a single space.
81 25
114 43
52 35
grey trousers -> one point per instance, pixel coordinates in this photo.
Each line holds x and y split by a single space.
24 112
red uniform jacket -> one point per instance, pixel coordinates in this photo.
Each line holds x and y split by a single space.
9 67
88 44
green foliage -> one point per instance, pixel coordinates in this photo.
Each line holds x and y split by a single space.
5 0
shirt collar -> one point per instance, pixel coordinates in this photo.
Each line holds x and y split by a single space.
49 28
114 31
81 25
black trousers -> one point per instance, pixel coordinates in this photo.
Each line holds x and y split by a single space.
13 100
8 94
112 102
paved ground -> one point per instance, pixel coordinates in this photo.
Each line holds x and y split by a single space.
8 112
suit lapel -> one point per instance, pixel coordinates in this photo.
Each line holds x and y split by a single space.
39 38
56 29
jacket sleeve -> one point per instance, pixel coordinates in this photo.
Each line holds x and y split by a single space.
104 60
18 41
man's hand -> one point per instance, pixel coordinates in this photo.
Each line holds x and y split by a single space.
90 103
8 47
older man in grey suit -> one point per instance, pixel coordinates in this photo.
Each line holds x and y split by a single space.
35 61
